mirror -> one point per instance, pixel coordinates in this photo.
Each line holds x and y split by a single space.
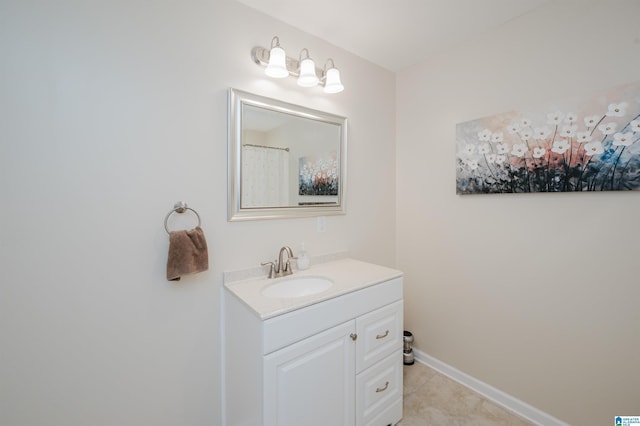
284 160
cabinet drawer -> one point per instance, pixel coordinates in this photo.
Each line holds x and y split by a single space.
379 393
379 335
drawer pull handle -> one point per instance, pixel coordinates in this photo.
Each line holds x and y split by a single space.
384 388
382 336
353 336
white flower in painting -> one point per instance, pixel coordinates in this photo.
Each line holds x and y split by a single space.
560 146
519 150
541 133
497 137
607 128
491 158
526 133
570 117
593 148
501 158
472 164
525 122
484 135
623 139
568 131
539 152
484 148
635 126
555 118
502 148
583 137
617 110
591 120
513 128
469 149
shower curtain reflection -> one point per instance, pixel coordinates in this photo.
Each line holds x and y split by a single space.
265 176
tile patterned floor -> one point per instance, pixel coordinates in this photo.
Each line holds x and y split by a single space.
432 399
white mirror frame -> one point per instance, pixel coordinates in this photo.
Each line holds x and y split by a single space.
235 211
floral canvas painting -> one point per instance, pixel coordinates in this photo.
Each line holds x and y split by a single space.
318 175
574 145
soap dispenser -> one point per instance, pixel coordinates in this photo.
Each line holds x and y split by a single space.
303 258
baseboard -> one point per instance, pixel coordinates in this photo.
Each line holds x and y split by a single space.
497 396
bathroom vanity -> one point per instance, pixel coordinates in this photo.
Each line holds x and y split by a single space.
319 347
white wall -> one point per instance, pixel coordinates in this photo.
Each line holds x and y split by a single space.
535 294
109 113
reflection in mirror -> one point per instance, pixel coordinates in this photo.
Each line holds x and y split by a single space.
284 160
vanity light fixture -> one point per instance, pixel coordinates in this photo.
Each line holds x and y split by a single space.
332 83
308 76
279 65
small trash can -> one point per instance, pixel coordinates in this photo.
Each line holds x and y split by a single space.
408 348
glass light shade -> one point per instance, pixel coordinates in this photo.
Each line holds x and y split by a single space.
277 67
332 83
308 77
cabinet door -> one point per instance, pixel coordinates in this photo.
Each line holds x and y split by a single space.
312 382
379 335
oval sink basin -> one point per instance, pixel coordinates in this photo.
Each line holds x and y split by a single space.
297 287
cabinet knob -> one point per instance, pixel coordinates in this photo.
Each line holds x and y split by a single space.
382 336
353 336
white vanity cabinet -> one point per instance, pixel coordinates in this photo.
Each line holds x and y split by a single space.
335 362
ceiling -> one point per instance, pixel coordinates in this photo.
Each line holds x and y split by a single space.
394 34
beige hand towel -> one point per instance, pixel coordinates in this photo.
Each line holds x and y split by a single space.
187 253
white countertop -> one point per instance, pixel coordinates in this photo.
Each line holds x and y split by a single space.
348 275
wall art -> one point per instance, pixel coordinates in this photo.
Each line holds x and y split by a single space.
586 144
318 175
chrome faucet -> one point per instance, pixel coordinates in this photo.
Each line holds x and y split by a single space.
285 269
280 268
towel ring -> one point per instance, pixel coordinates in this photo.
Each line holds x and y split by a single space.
179 207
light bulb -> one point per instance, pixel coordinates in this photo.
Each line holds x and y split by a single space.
277 67
308 77
332 83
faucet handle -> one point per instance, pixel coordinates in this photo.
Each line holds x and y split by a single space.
288 269
271 268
